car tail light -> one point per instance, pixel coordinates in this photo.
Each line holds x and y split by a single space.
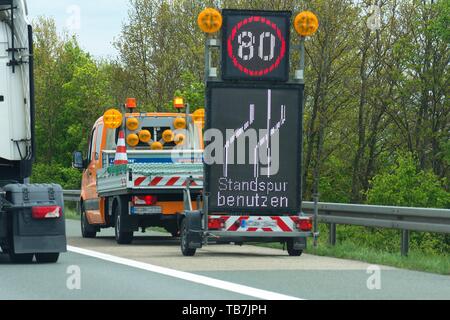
50 212
216 224
145 200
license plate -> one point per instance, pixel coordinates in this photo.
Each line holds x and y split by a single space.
141 211
258 224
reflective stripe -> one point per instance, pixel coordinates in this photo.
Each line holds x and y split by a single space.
258 223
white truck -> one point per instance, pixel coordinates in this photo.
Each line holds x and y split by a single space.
31 216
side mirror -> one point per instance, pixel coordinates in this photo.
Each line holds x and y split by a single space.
77 161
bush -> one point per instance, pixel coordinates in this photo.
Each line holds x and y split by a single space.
68 178
403 184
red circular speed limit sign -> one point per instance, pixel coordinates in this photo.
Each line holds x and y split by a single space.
256 46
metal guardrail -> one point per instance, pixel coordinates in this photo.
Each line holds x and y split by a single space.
401 218
333 214
72 195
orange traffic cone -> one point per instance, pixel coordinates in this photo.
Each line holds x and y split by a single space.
121 151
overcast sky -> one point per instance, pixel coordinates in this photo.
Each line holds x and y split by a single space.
96 22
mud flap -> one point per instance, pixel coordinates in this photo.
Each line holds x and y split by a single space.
195 232
33 236
29 235
300 243
3 226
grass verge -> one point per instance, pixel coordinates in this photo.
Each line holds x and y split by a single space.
347 249
71 214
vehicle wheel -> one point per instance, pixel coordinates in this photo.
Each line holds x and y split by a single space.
187 252
122 237
87 231
47 257
293 252
23 258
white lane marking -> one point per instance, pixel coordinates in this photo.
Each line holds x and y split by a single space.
207 281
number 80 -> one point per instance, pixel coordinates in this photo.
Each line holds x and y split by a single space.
250 45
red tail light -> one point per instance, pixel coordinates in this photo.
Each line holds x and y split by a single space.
145 200
216 223
50 212
305 225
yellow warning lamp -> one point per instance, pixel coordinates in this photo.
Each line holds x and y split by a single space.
199 116
210 20
306 23
168 136
132 124
156 146
145 136
178 103
179 139
112 119
132 140
179 123
131 103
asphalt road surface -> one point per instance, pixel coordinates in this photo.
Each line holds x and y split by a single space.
153 268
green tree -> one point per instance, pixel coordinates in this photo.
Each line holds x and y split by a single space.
72 91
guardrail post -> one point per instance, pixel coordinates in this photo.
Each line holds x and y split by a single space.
316 219
405 243
332 234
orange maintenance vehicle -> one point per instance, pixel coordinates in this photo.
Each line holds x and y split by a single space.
137 169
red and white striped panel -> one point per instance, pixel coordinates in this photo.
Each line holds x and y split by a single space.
167 181
258 224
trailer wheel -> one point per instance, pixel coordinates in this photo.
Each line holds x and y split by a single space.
291 251
47 257
122 237
87 231
187 252
23 258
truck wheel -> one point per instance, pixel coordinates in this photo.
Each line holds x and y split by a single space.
291 251
187 252
87 231
47 257
122 237
23 258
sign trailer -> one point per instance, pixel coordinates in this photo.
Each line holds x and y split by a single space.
253 147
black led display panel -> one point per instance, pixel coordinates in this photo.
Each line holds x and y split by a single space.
253 148
255 45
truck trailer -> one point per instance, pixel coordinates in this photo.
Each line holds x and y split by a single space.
31 216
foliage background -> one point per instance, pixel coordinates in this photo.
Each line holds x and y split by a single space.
377 123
